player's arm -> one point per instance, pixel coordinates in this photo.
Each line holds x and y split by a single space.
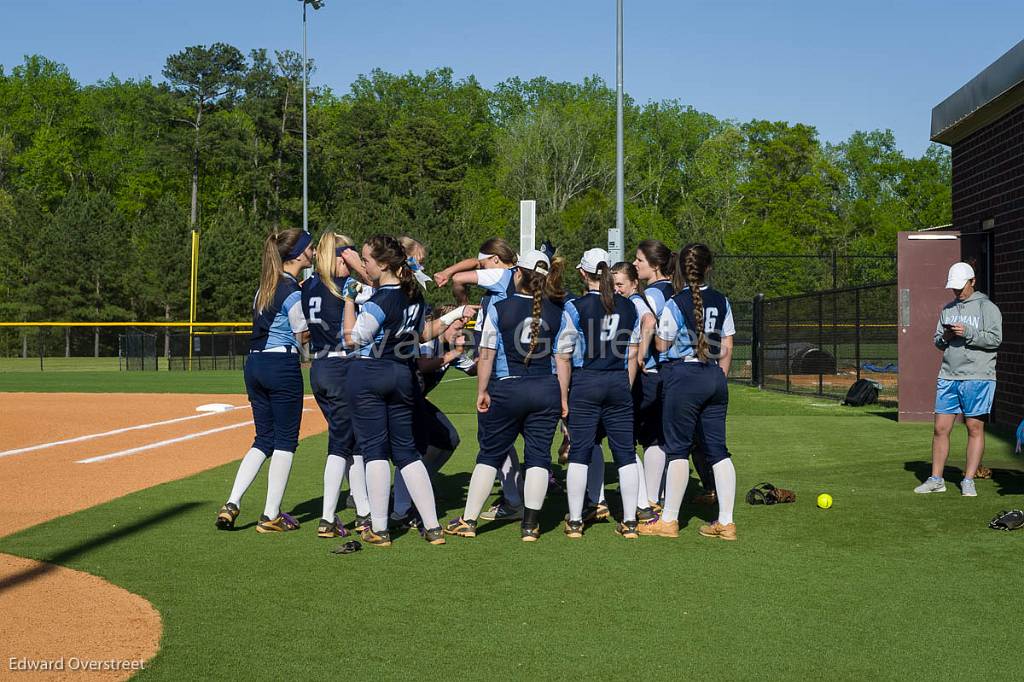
485 359
632 366
445 275
438 325
297 318
648 326
565 345
355 264
728 332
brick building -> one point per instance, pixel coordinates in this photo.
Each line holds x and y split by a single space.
983 124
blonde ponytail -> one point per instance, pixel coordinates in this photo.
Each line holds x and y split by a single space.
326 253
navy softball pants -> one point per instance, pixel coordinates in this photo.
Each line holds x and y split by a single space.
381 398
695 393
648 399
274 384
530 406
328 378
600 401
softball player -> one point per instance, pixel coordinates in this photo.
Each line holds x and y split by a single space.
492 270
323 308
386 336
597 346
516 347
695 332
273 378
654 264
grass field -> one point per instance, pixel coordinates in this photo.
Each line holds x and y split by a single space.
884 585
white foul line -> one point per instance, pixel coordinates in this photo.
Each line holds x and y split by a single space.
137 427
162 443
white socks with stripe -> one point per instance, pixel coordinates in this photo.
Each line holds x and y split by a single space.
642 499
277 481
535 488
334 473
576 487
357 485
675 487
247 472
654 469
725 485
629 482
480 484
417 481
378 488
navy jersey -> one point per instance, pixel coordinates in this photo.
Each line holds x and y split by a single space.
278 324
324 312
432 349
388 325
657 295
507 331
677 324
597 339
498 284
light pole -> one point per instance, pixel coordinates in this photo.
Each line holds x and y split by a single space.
616 235
317 4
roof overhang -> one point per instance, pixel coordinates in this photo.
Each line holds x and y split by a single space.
987 97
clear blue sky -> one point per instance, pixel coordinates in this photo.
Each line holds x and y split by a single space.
840 65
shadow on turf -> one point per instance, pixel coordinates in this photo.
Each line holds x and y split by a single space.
1008 481
51 562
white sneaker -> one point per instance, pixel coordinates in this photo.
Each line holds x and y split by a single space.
967 488
932 485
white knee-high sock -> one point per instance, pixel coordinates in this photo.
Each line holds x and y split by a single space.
511 476
676 478
417 481
535 487
334 472
378 488
277 481
247 472
576 488
629 482
357 485
642 499
725 484
479 489
595 475
401 493
654 469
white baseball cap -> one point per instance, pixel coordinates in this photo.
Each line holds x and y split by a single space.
535 260
959 275
592 258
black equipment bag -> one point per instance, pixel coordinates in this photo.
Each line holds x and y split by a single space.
863 392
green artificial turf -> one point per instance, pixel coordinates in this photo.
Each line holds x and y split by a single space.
886 584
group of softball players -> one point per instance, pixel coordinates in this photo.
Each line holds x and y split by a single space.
640 357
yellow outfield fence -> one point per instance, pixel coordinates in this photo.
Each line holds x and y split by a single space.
122 346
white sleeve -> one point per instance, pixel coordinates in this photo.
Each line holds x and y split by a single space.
488 277
365 294
568 335
296 318
634 338
668 325
367 323
489 334
728 325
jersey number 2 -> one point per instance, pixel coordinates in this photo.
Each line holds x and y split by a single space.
314 310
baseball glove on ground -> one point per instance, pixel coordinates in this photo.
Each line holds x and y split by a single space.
1007 520
766 493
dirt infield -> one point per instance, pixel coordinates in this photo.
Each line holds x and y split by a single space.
64 452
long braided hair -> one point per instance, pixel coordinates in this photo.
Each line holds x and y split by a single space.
691 268
541 286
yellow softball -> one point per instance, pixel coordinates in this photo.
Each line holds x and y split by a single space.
824 500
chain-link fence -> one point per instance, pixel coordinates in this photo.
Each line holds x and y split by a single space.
86 347
743 276
822 342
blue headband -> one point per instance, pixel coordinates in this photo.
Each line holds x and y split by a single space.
300 246
338 250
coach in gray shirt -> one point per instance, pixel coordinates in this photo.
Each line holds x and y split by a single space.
969 331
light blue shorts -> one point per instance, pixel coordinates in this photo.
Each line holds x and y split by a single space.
971 398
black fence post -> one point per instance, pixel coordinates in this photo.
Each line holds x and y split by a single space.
856 331
39 335
821 340
786 357
835 270
757 343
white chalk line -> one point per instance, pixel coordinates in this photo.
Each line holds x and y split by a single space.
114 432
164 443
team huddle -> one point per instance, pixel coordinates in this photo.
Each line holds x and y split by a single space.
630 364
